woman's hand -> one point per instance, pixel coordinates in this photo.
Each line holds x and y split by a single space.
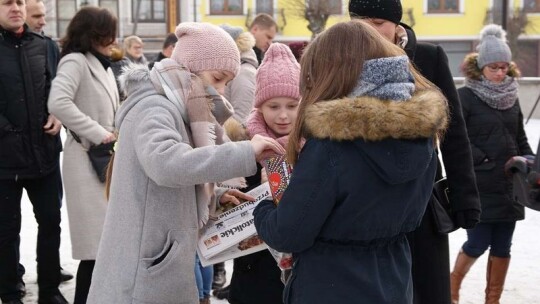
233 196
264 147
109 138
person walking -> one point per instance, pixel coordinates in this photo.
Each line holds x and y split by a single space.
429 247
495 126
365 112
29 158
171 150
85 98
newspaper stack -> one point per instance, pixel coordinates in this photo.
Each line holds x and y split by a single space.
232 234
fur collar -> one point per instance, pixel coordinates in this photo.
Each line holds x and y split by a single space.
470 68
424 115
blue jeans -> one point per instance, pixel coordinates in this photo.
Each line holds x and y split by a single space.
203 277
497 235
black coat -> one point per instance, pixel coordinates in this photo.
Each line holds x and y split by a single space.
27 151
256 276
430 251
495 137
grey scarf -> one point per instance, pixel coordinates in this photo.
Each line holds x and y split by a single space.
499 96
386 78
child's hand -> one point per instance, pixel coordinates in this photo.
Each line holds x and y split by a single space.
236 197
264 147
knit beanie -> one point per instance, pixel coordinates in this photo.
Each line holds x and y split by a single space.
278 75
493 46
205 47
244 40
390 10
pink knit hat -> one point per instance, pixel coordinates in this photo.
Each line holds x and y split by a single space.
278 75
205 47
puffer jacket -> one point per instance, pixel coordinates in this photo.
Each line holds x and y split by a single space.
27 151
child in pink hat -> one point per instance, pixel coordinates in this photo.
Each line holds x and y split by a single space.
277 94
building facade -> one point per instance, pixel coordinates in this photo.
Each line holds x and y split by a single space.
454 24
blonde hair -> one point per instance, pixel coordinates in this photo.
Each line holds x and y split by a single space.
330 72
130 40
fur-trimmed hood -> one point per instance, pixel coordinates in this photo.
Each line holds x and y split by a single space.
470 68
423 116
396 139
136 84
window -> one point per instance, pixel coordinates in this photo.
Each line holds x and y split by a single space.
443 6
149 10
65 11
265 6
227 7
111 5
531 5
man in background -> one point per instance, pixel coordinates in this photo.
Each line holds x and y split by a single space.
35 19
264 29
29 158
166 51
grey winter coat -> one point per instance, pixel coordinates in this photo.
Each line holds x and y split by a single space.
147 251
240 92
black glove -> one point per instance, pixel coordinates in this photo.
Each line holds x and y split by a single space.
467 219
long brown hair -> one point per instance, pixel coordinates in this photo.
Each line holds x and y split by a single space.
331 65
89 27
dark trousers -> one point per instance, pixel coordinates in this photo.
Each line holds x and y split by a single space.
84 278
430 263
45 194
497 235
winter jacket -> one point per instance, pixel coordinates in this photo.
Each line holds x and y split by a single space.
27 151
147 250
159 57
362 180
432 62
84 98
53 55
240 92
496 136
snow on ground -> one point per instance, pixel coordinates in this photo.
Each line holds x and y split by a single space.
521 283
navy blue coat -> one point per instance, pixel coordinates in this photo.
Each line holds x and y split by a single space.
362 180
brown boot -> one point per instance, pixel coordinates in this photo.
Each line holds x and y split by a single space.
496 274
461 268
205 300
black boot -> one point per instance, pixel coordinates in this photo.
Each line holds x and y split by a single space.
220 276
222 293
64 275
52 299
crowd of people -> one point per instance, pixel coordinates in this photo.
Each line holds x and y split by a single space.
360 112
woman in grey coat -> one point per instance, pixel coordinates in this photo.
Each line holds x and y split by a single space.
171 148
84 97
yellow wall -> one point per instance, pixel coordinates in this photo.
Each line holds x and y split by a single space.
428 25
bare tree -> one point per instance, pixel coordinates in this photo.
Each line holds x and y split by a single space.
516 25
316 12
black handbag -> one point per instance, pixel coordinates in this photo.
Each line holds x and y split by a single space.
441 209
100 156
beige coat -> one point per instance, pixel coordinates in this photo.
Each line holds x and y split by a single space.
85 98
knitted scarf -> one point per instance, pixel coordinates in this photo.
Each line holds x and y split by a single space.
255 124
499 96
203 110
386 78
